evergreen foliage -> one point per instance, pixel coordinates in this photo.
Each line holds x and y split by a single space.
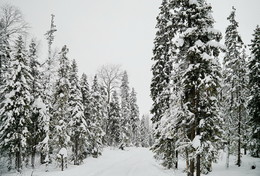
39 117
163 66
126 131
78 126
234 88
193 49
114 122
15 109
254 85
134 117
61 115
96 116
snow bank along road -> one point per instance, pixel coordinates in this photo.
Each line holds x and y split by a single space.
131 162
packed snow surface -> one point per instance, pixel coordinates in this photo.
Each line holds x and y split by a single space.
140 162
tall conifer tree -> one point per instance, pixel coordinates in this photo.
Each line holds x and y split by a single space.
235 87
195 49
15 109
254 84
61 116
78 125
125 111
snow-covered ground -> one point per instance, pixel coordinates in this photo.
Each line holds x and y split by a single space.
140 162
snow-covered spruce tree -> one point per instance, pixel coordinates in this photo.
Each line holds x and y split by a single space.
39 116
134 117
104 105
254 85
234 88
86 100
201 78
144 131
15 109
48 79
96 116
78 126
173 138
196 46
138 142
84 85
160 89
61 114
126 131
162 67
114 122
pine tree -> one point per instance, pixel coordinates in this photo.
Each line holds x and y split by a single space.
15 109
86 100
48 79
39 116
254 102
114 122
160 88
162 67
125 112
78 126
61 116
144 131
97 113
134 117
235 85
195 49
201 78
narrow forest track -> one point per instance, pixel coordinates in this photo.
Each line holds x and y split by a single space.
114 162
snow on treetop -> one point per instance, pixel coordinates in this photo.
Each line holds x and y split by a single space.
214 31
45 140
196 142
63 152
189 31
193 2
214 43
178 40
38 103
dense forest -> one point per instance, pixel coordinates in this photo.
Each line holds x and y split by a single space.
50 114
203 102
205 90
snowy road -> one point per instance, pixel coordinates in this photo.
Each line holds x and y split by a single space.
140 162
132 162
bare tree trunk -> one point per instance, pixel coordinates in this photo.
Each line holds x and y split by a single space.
42 157
62 163
228 153
76 162
198 165
245 149
19 158
239 140
192 167
187 161
33 156
10 161
176 162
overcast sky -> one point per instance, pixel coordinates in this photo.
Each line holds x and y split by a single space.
100 32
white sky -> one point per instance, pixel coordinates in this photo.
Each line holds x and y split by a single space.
100 32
